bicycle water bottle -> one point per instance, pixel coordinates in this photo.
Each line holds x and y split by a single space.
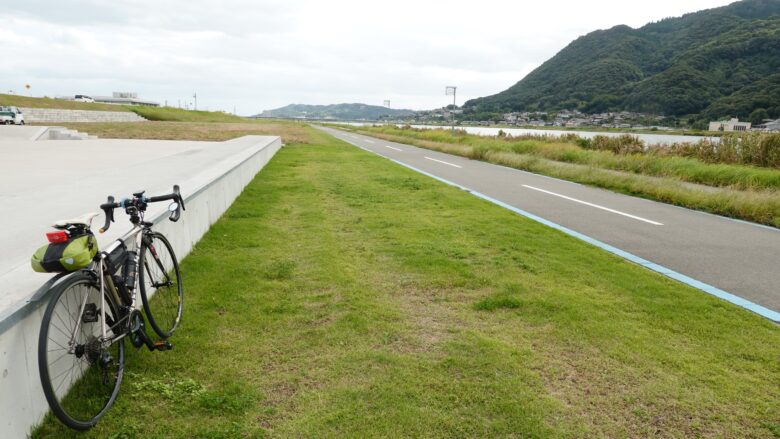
131 270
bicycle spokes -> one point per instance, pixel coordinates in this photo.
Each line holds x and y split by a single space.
80 369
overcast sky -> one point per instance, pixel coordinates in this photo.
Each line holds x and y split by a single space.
263 54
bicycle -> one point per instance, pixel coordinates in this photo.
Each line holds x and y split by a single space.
81 346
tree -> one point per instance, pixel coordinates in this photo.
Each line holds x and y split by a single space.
758 115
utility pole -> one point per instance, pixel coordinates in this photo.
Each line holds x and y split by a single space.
452 90
386 104
195 96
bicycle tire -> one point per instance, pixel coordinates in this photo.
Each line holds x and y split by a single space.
168 299
91 388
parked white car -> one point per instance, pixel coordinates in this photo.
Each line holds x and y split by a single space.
83 98
11 116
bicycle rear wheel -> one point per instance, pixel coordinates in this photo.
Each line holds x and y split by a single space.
159 276
80 377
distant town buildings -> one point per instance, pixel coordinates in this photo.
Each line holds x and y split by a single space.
560 119
578 119
730 125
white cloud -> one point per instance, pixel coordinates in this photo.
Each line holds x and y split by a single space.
258 55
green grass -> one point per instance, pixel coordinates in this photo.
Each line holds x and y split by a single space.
179 115
737 191
30 102
344 296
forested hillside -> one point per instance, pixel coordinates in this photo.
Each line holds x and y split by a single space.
709 64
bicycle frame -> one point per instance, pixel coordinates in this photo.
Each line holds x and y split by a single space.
107 285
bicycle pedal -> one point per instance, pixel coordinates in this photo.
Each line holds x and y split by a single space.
163 345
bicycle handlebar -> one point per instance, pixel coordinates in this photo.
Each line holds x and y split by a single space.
140 202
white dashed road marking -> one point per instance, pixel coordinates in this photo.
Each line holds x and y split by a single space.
655 223
448 164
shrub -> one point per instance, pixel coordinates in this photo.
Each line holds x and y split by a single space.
585 143
624 144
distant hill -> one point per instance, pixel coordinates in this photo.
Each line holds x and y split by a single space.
336 112
709 64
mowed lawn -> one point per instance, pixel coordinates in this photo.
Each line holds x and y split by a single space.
345 296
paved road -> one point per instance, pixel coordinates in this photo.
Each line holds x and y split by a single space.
737 257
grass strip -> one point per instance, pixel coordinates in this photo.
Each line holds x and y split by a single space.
344 296
171 114
291 132
559 160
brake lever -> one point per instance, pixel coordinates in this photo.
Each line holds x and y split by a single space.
176 214
109 211
179 198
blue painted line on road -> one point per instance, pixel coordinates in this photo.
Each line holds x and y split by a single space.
709 289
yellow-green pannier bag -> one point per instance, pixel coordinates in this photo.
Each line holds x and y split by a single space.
74 254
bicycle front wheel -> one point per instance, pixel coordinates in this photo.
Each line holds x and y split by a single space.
159 277
80 375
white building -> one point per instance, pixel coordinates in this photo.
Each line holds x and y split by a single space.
729 125
125 98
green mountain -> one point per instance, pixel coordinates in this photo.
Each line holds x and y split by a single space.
336 112
708 64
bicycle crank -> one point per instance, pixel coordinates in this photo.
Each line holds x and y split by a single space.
139 337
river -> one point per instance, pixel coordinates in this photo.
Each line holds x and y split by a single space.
649 139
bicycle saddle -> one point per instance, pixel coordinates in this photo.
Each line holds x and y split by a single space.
83 220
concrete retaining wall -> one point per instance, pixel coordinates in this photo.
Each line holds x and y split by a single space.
50 115
22 403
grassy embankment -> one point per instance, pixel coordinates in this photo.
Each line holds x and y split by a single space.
344 296
151 113
740 191
30 102
180 115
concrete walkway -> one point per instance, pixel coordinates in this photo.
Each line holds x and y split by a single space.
21 132
42 182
